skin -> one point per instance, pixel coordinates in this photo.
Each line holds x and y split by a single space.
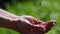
24 24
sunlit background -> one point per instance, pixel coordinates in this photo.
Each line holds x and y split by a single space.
43 9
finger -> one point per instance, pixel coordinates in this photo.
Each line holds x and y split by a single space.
49 25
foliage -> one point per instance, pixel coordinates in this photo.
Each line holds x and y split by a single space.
50 9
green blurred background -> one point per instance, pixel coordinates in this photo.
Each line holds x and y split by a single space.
43 9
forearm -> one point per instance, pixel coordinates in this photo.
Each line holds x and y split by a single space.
7 14
6 22
6 19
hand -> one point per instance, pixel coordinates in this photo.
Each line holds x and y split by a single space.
30 25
